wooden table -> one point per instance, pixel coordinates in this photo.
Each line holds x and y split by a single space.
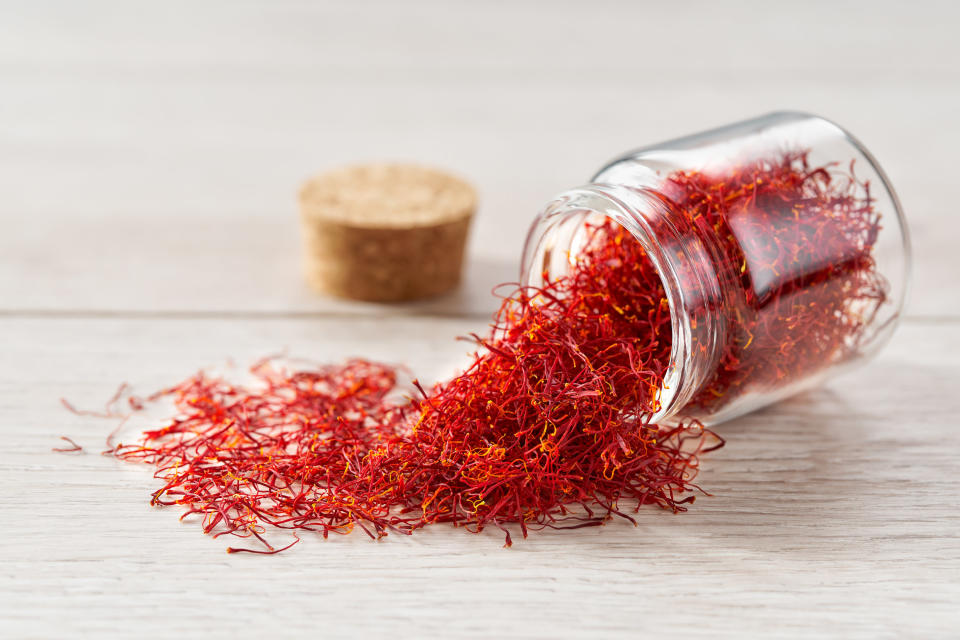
149 157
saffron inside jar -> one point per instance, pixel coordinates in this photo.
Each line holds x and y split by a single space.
792 249
551 424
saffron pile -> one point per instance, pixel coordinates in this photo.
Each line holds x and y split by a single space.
551 424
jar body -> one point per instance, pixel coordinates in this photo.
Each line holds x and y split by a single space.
781 246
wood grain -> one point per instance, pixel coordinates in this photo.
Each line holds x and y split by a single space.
142 138
829 511
149 160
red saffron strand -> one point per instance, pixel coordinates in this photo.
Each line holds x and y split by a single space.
269 552
107 412
553 414
550 426
792 308
73 448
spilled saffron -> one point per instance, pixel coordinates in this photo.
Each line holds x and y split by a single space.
551 424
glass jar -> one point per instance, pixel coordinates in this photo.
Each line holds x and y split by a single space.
781 246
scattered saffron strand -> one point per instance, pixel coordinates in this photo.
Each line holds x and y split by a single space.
550 425
74 447
550 418
136 405
269 552
107 412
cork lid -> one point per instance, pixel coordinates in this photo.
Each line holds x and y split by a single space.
387 196
385 232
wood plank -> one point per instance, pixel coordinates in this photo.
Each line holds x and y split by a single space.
149 163
830 511
173 224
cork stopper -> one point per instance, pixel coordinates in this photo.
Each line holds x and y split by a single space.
386 232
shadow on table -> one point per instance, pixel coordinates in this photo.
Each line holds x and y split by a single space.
821 474
475 296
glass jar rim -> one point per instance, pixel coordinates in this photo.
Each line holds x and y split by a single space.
623 206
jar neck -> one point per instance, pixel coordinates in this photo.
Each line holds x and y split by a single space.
684 264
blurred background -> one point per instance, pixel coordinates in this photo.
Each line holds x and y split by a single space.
150 153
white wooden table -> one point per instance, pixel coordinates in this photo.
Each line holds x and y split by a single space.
149 157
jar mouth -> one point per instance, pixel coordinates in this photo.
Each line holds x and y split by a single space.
560 232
